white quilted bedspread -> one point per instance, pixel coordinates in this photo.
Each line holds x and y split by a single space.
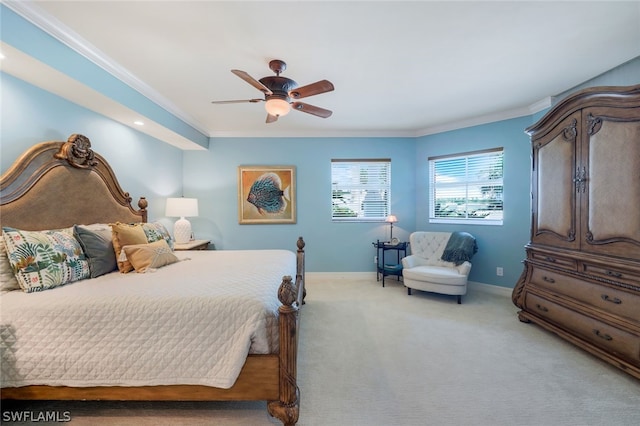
192 322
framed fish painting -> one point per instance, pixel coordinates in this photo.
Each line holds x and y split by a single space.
266 194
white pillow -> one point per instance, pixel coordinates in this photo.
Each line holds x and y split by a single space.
8 281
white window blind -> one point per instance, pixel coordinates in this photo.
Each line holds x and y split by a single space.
360 189
467 188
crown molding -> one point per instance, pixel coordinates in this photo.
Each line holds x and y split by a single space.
316 134
542 104
70 38
489 118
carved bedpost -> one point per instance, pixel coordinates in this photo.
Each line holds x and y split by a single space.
143 203
300 268
291 295
287 408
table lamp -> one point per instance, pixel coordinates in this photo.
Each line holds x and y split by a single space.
391 219
182 207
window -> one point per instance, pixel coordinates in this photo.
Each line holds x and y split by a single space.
360 189
467 188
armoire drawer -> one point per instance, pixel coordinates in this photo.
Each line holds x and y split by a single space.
554 260
614 274
596 332
611 300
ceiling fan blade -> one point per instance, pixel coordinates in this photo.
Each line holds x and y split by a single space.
316 88
271 118
239 101
252 81
311 109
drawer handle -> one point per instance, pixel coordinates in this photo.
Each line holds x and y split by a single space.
615 300
542 308
614 274
549 280
602 336
550 259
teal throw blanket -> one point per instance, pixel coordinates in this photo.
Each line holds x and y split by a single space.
460 248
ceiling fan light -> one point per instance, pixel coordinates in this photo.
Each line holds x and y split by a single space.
277 107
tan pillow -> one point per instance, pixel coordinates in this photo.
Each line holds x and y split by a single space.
126 235
146 257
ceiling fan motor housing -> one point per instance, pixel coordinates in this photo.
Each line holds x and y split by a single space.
280 86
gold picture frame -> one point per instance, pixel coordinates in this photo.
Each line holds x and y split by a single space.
266 194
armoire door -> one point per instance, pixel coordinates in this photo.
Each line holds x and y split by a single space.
554 181
610 219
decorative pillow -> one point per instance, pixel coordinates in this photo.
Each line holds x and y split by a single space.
96 241
42 260
125 235
129 234
148 257
157 231
8 281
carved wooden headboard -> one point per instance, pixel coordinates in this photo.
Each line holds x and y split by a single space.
58 184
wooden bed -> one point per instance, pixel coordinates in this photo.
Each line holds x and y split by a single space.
58 184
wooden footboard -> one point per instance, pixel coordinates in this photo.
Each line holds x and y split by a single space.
256 382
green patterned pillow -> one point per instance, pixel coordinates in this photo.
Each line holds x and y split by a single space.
42 260
157 231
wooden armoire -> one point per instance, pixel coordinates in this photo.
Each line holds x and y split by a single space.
581 277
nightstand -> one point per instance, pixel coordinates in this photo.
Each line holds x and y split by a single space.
192 245
383 268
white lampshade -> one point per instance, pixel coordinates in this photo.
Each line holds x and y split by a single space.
391 219
277 107
182 207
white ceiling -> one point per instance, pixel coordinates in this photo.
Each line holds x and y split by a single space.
399 68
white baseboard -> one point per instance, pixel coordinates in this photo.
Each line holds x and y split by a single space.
490 288
338 275
487 288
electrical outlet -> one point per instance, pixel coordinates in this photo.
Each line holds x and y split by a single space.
499 271
375 259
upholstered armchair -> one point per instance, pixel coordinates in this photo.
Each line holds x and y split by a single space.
425 268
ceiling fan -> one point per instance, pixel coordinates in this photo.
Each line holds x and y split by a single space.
281 94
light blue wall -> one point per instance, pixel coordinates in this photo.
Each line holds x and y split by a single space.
336 247
145 166
497 245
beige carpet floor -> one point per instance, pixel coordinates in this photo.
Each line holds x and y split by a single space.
376 356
